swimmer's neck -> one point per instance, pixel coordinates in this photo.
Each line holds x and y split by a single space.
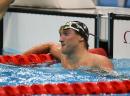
76 56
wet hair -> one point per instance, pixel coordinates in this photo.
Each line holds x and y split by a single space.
80 28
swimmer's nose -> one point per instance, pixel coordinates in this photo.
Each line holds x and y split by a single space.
61 39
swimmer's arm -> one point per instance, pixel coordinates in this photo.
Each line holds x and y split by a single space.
4 5
45 48
106 64
39 49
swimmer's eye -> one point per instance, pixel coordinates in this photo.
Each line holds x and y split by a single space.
65 33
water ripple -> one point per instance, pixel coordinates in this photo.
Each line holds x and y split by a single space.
14 75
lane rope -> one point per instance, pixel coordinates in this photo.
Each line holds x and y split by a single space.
37 58
109 87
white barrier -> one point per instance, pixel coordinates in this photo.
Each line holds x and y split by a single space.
119 36
104 18
22 30
59 4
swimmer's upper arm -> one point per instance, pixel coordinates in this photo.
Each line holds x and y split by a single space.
39 49
49 47
105 64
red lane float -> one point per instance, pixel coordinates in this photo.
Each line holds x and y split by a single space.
99 51
39 89
26 59
66 88
25 90
110 87
80 88
127 83
20 60
33 58
2 60
38 58
121 87
105 87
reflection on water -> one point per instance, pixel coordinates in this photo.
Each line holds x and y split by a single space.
14 75
109 75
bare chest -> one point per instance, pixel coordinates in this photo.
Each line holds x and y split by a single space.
88 62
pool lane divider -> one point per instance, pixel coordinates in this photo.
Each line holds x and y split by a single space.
78 88
38 58
26 59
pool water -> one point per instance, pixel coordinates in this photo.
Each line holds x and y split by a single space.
15 75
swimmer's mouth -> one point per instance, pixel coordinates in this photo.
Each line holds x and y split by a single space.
62 44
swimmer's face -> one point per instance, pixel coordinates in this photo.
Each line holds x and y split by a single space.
69 40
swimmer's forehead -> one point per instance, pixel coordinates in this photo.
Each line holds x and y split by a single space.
62 30
69 25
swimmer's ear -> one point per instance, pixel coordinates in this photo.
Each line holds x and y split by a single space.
81 39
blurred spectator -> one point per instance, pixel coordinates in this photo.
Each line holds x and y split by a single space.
127 3
4 4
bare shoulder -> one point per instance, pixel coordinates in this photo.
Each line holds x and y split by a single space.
101 57
103 62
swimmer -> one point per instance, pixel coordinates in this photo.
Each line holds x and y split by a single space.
4 4
73 50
